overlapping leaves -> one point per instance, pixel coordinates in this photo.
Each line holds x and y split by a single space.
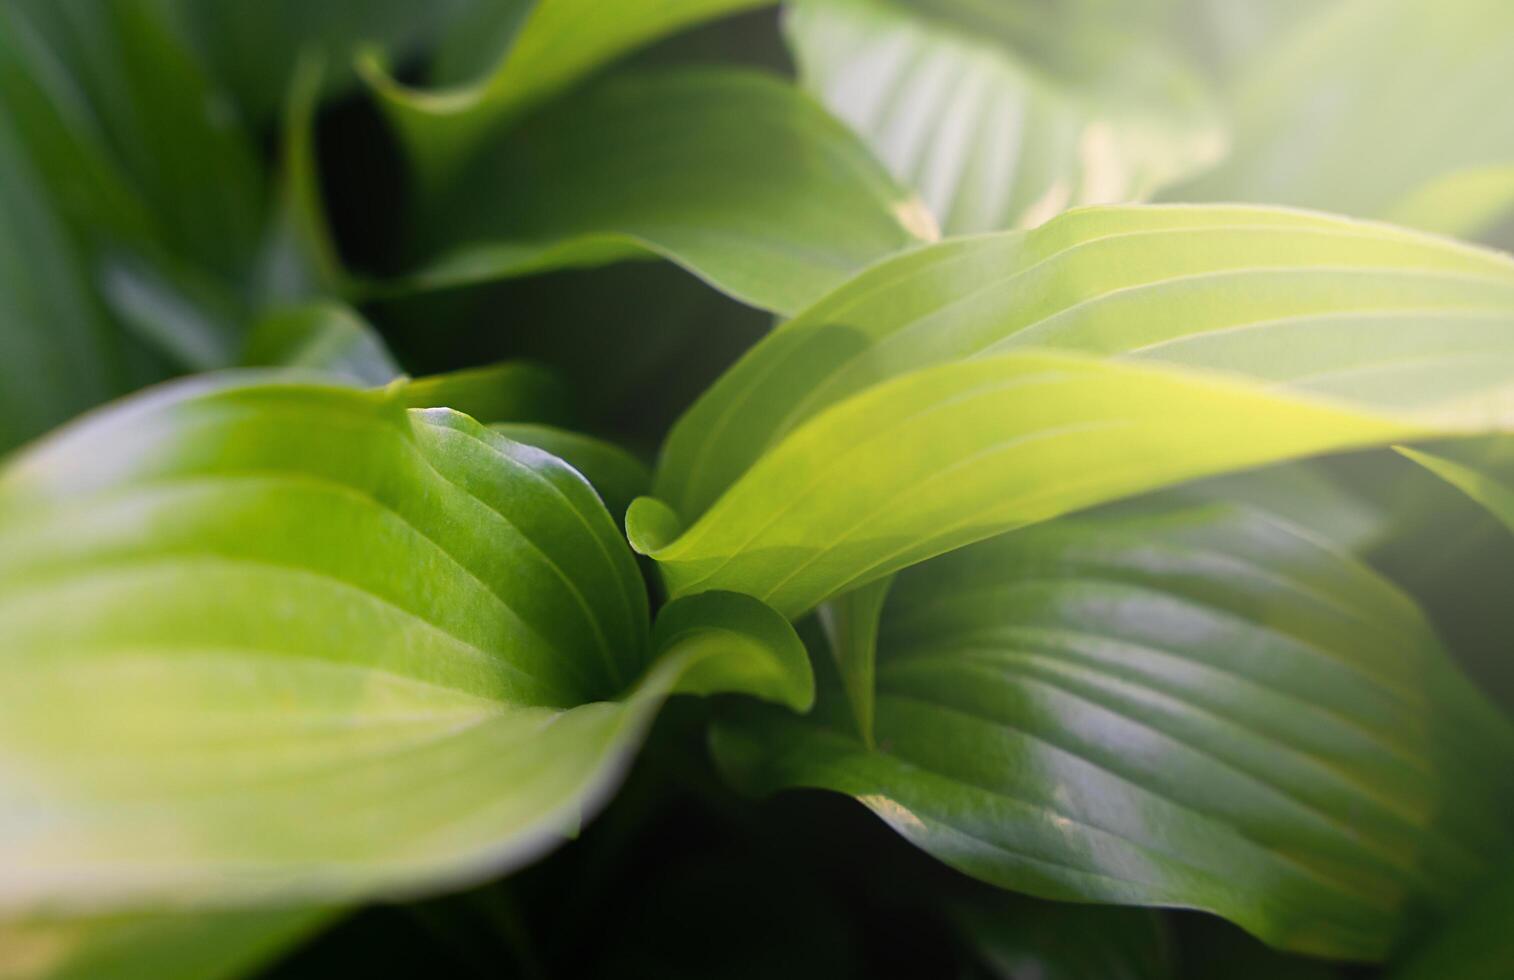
271 641
893 421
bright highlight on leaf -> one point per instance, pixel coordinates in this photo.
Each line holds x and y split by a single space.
991 138
278 642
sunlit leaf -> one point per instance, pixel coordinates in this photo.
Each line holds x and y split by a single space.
1307 301
991 134
280 643
1380 108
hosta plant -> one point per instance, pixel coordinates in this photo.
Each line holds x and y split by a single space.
707 488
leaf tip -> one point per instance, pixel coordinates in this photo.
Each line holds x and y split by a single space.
651 525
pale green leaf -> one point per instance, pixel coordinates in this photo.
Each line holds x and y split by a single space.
1393 318
1204 708
350 649
717 170
557 43
991 134
1380 108
949 455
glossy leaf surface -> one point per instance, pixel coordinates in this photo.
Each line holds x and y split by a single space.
1177 709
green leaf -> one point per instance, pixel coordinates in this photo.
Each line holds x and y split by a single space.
192 946
946 456
350 649
58 352
618 476
121 127
714 169
988 132
1017 938
325 337
1474 943
1379 108
1206 709
504 392
850 622
557 44
300 258
254 47
1482 487
733 642
1309 301
116 94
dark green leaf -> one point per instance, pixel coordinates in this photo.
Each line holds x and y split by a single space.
543 52
716 170
1205 709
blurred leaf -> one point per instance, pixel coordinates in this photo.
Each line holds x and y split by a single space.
324 337
511 391
556 44
1304 495
300 258
716 170
1481 487
254 47
618 476
133 133
1380 108
1204 709
991 137
1387 317
850 622
58 352
189 946
1018 939
1474 943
